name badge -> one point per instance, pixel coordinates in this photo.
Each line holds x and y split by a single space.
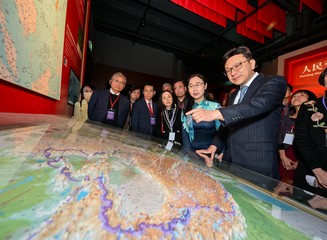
153 121
111 115
169 145
289 137
171 136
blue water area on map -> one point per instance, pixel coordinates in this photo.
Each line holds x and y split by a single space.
266 198
82 194
64 193
26 180
40 161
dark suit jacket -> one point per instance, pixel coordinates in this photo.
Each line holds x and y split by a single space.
162 128
311 143
252 126
310 140
98 106
141 117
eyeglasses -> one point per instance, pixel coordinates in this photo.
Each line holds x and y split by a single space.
118 82
236 67
197 85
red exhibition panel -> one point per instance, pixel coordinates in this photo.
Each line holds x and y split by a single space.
302 71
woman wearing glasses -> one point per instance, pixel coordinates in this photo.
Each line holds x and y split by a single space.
200 138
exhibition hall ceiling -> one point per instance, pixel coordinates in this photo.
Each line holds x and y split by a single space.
200 43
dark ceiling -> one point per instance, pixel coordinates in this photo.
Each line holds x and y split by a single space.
198 42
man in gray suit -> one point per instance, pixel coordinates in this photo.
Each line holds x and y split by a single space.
251 120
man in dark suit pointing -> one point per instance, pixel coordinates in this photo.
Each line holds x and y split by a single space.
252 118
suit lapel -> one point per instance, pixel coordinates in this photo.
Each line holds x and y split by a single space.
145 106
232 97
253 87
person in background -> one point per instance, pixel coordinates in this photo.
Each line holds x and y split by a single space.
180 92
81 107
311 141
110 106
86 92
286 100
169 121
200 137
227 96
211 96
167 86
144 113
252 118
134 95
288 154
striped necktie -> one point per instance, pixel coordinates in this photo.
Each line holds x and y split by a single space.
242 93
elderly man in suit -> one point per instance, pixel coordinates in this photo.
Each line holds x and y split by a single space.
110 106
251 119
144 112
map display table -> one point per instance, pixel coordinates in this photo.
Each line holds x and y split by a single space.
63 178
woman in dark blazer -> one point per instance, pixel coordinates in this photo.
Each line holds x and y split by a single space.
311 141
169 125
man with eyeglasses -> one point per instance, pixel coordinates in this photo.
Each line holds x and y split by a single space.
251 119
110 106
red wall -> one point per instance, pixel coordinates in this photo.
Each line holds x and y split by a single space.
302 71
20 100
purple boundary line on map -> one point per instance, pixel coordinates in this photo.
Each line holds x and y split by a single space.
184 219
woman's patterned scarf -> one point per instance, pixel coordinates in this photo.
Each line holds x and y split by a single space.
188 121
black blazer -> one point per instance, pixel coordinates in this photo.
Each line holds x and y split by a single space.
141 117
252 125
98 105
310 140
163 128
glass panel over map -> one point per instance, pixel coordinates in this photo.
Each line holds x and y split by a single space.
32 38
65 178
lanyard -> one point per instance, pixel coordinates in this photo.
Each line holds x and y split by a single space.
112 104
292 129
169 122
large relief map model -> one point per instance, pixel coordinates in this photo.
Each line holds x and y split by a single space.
32 37
61 178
